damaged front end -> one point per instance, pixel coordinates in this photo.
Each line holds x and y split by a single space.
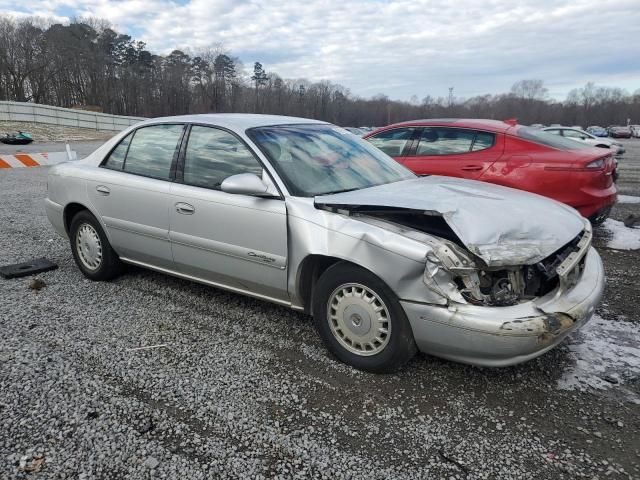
479 284
506 276
455 273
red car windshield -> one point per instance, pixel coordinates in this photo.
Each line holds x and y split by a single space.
550 139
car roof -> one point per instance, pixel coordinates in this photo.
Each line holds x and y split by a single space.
479 123
234 121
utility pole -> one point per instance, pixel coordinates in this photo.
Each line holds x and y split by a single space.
450 97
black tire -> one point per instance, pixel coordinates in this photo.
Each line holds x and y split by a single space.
599 217
110 265
400 346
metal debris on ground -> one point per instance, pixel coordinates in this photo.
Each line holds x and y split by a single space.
37 265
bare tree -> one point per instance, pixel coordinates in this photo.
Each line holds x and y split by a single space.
88 63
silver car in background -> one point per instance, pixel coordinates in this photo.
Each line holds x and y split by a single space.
304 214
583 136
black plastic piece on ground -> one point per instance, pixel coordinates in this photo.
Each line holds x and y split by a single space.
37 265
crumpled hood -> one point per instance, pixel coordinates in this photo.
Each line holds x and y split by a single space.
501 225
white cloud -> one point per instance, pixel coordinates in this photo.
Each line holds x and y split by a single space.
400 48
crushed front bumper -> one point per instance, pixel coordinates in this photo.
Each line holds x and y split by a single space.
503 336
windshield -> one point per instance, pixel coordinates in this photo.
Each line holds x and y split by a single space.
550 139
322 159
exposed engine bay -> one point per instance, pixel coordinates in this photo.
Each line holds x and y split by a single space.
456 273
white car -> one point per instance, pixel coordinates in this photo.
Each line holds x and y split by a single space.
586 137
635 130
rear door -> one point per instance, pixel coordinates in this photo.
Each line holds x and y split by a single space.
131 193
455 152
233 240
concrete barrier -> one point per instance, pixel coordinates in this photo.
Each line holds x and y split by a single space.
28 160
65 117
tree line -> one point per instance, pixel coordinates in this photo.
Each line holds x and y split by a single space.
88 64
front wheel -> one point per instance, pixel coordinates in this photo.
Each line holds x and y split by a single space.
361 321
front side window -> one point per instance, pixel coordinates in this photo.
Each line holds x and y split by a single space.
445 141
213 155
152 151
554 131
316 159
392 142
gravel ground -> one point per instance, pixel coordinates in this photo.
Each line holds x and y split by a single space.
239 388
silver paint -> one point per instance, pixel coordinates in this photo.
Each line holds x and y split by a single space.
258 246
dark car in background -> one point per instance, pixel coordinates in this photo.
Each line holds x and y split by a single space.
619 132
508 154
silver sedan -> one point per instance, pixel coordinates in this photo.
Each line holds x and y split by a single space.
304 214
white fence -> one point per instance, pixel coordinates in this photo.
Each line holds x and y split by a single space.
67 117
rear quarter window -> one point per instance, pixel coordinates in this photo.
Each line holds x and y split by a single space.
549 139
115 161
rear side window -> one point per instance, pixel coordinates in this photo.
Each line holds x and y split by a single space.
549 139
444 141
392 142
116 159
483 141
152 151
212 155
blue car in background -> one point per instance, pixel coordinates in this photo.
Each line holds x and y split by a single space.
598 131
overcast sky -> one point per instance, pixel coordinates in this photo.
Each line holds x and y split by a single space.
399 48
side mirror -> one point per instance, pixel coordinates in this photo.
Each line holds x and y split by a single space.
245 184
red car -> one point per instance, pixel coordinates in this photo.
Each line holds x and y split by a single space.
506 154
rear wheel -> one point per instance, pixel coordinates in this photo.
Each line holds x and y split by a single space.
361 321
91 249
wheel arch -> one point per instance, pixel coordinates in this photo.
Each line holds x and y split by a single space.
72 209
310 270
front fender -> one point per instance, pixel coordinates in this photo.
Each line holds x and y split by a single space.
397 260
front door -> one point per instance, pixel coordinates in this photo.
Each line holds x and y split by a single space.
235 241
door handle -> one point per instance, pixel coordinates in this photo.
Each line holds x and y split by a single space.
102 190
472 168
185 208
